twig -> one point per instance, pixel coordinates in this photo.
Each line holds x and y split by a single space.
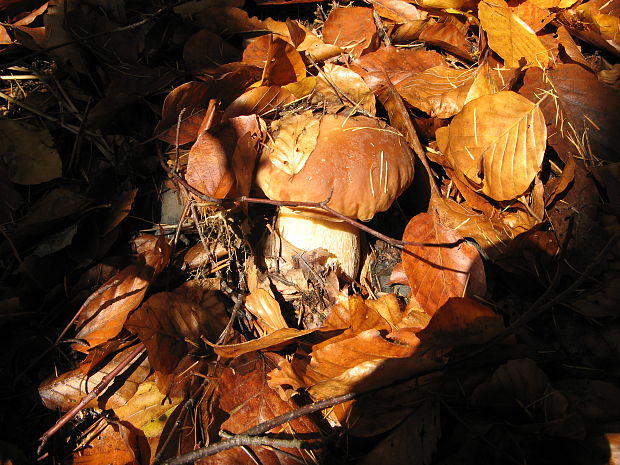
258 430
107 379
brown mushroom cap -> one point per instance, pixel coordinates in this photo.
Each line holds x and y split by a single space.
363 162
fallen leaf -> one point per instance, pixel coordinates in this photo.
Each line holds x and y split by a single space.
398 10
510 37
109 443
497 141
353 29
437 273
205 51
261 303
170 324
258 101
272 341
439 91
28 153
228 19
580 111
65 391
104 314
281 63
338 86
208 166
246 400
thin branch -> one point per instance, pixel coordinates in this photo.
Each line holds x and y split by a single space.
107 379
258 430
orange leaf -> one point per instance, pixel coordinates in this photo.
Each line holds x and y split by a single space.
247 400
437 273
273 341
281 63
108 444
208 168
258 101
353 29
498 141
105 313
170 324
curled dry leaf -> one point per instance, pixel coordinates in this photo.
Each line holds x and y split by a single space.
353 29
449 37
191 98
109 443
261 303
510 37
65 391
451 269
258 101
398 11
497 141
439 91
106 311
338 86
281 63
273 341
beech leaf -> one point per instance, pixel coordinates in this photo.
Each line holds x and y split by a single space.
437 273
510 37
497 141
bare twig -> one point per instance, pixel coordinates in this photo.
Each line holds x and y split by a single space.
258 430
107 379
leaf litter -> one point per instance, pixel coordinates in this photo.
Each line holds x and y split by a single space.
148 279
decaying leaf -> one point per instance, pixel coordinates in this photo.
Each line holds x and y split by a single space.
453 268
497 141
352 28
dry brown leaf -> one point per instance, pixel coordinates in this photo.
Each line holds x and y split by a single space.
394 64
580 111
105 313
530 13
439 91
191 98
447 36
261 303
273 341
398 11
208 166
170 324
437 273
510 37
244 396
307 41
339 86
108 443
353 29
281 63
462 5
258 101
497 141
65 391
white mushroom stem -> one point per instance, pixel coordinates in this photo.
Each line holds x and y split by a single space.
308 232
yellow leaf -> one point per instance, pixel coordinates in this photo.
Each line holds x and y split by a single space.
510 37
497 141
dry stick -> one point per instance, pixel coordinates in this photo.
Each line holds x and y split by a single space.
107 379
262 428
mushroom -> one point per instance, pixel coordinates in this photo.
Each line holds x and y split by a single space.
359 163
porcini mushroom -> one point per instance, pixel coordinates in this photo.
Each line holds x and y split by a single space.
361 164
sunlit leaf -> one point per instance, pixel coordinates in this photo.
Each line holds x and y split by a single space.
453 268
511 37
351 28
497 141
